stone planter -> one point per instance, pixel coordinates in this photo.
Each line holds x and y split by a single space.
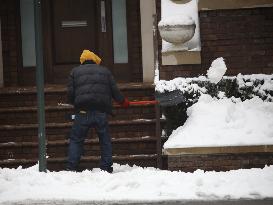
177 34
177 29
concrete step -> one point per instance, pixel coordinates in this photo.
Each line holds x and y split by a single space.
59 131
62 113
57 94
132 130
58 148
87 162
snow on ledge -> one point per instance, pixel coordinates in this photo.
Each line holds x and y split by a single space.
177 20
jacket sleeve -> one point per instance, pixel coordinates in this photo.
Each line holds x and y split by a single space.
116 94
70 89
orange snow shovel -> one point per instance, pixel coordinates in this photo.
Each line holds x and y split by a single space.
166 99
144 102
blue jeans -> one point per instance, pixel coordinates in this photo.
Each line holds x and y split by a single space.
82 123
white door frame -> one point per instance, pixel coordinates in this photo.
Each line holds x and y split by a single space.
147 10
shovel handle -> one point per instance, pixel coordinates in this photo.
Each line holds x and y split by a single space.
144 102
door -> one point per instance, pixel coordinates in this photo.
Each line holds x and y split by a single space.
74 25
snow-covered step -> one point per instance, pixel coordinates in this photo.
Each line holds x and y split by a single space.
64 142
63 113
121 146
87 162
133 131
60 131
57 94
135 125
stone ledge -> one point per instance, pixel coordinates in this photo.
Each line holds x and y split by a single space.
232 4
219 150
181 57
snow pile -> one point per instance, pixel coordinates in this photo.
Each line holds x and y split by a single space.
225 122
183 84
177 20
133 183
217 70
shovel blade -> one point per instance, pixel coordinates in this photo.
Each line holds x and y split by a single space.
170 98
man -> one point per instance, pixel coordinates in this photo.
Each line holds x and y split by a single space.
91 88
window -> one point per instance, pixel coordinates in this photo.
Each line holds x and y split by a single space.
28 33
119 31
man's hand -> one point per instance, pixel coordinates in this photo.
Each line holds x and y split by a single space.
125 103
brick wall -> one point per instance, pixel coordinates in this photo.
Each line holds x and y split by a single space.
219 162
244 37
9 11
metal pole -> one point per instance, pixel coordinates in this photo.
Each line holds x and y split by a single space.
40 85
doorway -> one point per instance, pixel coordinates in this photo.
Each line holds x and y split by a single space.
98 25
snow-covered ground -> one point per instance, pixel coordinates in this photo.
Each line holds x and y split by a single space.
134 183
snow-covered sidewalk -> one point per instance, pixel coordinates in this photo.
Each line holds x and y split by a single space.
134 183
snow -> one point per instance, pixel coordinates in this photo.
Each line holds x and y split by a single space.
188 10
156 76
188 85
268 80
180 83
177 20
214 75
217 70
211 122
225 122
138 184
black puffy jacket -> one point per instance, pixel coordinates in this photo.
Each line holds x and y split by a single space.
92 87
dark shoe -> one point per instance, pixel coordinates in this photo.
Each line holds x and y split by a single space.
108 169
70 170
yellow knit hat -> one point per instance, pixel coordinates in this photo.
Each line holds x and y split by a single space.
88 55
